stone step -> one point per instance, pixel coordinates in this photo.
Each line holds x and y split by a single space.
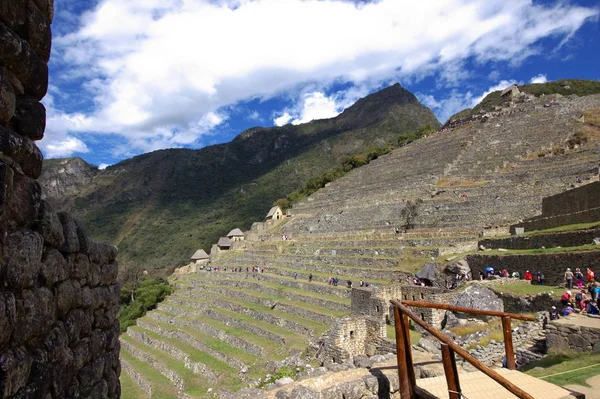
173 351
133 384
222 334
285 305
261 313
144 354
276 272
323 301
159 385
210 316
213 346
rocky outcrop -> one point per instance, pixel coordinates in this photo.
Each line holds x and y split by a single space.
59 332
480 298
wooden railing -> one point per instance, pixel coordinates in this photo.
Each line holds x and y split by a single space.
406 372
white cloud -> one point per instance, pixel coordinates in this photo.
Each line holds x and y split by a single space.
316 105
103 166
65 148
283 119
159 71
541 78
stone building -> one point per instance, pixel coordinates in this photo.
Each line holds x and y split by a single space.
224 243
200 257
59 296
275 213
236 235
511 91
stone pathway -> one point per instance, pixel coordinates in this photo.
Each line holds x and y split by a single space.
580 320
592 392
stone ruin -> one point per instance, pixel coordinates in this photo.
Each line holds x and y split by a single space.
59 296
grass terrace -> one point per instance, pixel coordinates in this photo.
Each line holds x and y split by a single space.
566 368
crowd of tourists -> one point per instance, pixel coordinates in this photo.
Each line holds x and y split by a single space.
490 272
585 298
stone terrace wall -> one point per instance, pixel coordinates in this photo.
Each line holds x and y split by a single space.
562 337
580 205
59 332
552 265
550 240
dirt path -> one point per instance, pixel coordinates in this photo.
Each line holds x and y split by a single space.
592 392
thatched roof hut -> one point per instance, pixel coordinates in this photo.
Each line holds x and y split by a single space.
200 255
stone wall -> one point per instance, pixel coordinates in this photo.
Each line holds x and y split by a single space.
561 337
552 265
59 331
564 239
351 336
580 205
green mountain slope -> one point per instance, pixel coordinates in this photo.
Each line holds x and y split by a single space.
158 208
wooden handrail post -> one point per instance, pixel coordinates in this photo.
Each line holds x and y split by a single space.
451 372
508 343
406 388
409 359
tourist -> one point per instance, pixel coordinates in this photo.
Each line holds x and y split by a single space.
505 273
310 277
295 275
597 291
554 314
361 283
489 271
481 275
580 300
516 275
568 310
579 278
528 276
569 278
592 308
541 278
349 284
565 298
590 275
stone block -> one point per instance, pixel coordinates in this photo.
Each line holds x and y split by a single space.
577 341
109 273
6 184
82 237
22 151
39 33
54 267
46 7
79 266
86 297
69 232
77 324
8 317
68 295
50 227
15 366
556 342
8 100
24 201
16 84
596 347
36 313
97 342
23 254
81 353
13 13
29 118
19 58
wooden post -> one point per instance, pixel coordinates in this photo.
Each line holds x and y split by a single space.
409 359
451 372
406 391
508 343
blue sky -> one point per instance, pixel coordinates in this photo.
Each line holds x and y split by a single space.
129 77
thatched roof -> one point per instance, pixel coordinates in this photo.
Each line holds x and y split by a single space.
235 233
224 242
272 211
200 255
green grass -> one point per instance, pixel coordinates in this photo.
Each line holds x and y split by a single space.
313 325
567 363
162 387
569 227
194 384
214 344
522 289
129 389
282 299
415 336
539 251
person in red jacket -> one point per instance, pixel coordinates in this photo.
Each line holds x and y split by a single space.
528 276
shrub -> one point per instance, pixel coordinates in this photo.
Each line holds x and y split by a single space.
135 301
